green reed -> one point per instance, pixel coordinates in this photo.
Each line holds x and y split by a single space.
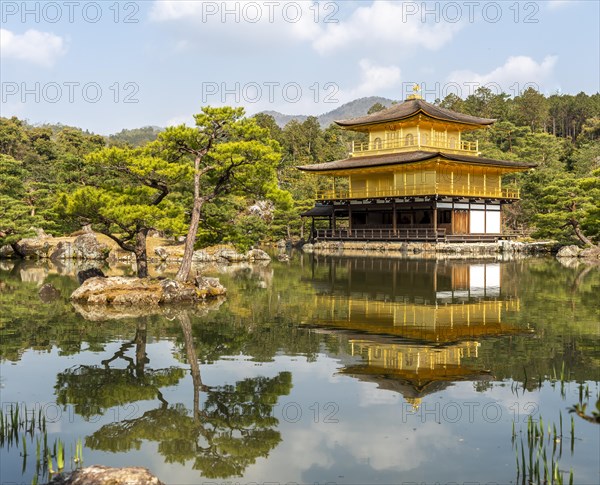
538 456
18 426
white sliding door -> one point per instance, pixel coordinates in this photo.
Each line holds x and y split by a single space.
477 224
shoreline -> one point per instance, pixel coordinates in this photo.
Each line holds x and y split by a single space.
95 250
425 250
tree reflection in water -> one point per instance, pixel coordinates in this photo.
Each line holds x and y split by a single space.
92 389
224 434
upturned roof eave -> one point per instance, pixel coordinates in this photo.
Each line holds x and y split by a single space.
352 124
329 167
413 106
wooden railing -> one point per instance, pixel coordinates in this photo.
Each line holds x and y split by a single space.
408 143
413 234
420 190
373 234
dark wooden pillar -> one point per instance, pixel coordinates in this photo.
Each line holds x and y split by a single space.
312 228
349 218
333 219
435 219
394 218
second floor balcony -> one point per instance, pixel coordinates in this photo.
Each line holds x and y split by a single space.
441 189
414 142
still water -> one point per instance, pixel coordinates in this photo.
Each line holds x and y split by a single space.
324 369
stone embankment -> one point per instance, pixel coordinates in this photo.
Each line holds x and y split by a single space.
220 255
84 247
588 254
430 250
97 247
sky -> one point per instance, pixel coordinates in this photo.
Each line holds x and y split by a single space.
109 65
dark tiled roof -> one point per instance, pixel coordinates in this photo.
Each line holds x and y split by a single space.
408 157
410 108
487 161
318 210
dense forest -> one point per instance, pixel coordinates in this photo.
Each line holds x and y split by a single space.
247 188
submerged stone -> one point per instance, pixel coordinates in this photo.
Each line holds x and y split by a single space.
48 293
86 274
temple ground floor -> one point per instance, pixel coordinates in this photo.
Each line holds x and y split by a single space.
408 220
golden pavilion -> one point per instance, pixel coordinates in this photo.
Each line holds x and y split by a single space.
415 179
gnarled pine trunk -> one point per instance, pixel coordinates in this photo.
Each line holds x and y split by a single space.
186 264
141 257
582 237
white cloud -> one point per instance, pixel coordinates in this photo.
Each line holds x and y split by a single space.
181 120
182 45
383 25
41 48
374 80
555 4
170 10
372 395
245 19
386 24
371 80
522 70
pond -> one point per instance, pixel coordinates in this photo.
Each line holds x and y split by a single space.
320 370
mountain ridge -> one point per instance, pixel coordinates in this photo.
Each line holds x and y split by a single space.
352 109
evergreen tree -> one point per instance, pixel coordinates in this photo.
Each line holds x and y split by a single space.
569 208
229 154
129 198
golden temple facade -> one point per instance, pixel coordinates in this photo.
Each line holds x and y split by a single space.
416 178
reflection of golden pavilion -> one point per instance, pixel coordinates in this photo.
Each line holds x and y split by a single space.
436 323
412 369
424 300
413 359
412 323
